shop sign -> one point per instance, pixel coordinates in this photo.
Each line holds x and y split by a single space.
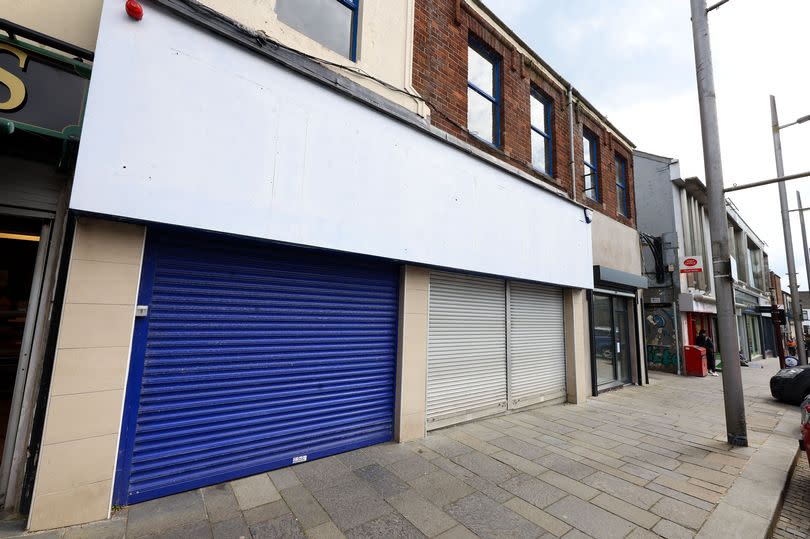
691 264
41 91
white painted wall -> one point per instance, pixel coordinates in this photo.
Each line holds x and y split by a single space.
185 128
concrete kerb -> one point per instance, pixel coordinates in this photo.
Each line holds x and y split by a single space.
750 508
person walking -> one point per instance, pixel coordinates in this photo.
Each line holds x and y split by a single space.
708 344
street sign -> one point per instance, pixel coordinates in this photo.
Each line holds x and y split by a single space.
691 264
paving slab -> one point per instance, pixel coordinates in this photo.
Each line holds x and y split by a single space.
489 488
164 514
325 531
441 488
445 446
590 519
234 528
305 507
572 486
389 453
670 530
622 489
351 502
532 513
254 491
197 530
319 474
519 463
533 490
284 478
412 468
428 518
384 481
385 527
680 513
520 447
489 519
459 532
285 526
220 502
485 466
565 466
266 512
625 510
106 529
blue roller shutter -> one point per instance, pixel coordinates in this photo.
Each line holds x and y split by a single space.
253 357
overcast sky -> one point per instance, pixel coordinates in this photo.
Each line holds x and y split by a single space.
633 59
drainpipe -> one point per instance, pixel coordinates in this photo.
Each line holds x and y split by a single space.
571 140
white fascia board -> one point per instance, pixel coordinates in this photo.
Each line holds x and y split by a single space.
186 128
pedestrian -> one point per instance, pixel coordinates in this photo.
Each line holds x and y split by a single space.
708 344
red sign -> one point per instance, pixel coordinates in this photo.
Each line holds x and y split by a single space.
691 264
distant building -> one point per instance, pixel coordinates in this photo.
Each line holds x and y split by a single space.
680 299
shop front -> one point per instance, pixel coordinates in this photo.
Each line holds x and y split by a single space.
615 340
750 327
42 96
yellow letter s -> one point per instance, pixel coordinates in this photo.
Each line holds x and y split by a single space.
14 84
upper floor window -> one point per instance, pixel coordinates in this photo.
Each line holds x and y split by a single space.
541 132
483 93
622 202
590 156
332 23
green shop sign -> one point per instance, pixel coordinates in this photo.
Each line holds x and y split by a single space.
41 91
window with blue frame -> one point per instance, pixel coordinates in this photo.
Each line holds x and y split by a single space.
622 202
332 23
541 132
483 93
590 157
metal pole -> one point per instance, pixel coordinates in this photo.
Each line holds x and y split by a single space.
804 246
718 224
783 203
736 187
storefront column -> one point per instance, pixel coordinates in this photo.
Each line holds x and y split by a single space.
409 421
80 440
577 345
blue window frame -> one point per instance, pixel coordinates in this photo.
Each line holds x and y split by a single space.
590 157
622 202
332 23
541 110
483 93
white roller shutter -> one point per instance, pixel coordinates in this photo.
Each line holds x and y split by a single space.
536 344
466 348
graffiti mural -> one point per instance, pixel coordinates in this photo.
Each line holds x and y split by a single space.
662 346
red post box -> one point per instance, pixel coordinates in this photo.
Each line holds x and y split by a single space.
695 360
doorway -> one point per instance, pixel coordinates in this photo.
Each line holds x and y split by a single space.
20 240
611 341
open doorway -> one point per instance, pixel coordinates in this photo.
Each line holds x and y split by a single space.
19 248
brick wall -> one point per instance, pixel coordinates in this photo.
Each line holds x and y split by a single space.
441 32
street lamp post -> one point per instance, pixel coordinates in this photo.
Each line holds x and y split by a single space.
783 202
736 430
804 247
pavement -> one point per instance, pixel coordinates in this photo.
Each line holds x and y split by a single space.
634 463
794 519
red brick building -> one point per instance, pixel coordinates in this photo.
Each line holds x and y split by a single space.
485 86
443 33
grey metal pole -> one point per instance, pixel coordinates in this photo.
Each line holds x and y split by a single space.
718 225
783 203
804 245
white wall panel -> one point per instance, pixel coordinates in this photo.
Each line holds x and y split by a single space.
185 128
